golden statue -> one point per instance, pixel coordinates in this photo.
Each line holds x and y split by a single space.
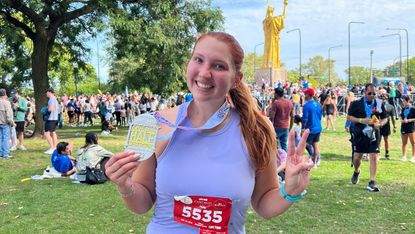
272 28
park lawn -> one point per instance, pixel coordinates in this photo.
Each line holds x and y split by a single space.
332 203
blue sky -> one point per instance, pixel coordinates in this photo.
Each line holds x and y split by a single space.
324 23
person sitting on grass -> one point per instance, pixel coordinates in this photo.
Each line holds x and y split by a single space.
91 155
62 160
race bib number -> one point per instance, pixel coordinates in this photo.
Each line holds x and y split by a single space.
142 136
210 215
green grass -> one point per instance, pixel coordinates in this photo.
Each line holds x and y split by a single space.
332 204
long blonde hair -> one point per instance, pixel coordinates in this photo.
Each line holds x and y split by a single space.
260 138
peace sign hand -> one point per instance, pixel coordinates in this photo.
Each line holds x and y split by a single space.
298 166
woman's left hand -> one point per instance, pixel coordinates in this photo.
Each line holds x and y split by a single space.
297 171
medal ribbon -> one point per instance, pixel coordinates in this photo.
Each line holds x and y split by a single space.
406 111
217 118
368 108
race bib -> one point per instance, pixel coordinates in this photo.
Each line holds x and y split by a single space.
210 215
142 135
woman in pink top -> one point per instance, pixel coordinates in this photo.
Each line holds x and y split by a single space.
214 78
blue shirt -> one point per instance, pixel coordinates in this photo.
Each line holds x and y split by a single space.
61 163
312 116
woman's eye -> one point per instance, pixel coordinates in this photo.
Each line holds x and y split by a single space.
198 60
219 67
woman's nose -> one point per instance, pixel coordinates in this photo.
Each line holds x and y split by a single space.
205 71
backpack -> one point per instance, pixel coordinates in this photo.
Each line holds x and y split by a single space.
45 113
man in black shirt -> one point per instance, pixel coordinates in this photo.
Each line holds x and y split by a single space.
366 133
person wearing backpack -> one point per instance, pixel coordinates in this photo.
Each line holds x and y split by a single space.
92 156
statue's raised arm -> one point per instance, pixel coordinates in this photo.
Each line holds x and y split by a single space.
285 7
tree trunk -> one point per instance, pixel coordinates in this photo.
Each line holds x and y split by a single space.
40 61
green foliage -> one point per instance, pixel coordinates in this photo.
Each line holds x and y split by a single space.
359 74
248 66
151 42
317 67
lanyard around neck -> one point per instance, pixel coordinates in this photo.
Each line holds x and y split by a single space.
406 111
217 118
368 108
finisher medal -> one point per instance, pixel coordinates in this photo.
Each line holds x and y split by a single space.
142 136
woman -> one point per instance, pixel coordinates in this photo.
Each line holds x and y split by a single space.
91 155
407 127
330 108
231 163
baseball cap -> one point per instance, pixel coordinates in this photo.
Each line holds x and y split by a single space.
310 92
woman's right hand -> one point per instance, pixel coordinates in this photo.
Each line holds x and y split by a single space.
120 168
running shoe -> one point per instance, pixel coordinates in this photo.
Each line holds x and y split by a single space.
387 157
49 151
404 159
371 187
355 177
21 147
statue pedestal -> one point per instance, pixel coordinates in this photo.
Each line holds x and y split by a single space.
270 76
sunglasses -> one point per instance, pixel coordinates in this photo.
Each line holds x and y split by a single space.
371 93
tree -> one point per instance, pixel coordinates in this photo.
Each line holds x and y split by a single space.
318 68
150 48
46 22
65 24
248 66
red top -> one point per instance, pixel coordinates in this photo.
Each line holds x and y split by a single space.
282 109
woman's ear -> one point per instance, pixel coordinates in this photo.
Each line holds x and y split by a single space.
238 78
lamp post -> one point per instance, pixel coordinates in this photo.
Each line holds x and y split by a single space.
348 31
299 34
330 48
407 47
255 52
371 66
400 50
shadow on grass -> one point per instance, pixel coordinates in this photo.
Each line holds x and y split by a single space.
336 157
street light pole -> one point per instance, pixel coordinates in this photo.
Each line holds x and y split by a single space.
329 59
400 50
371 66
348 31
407 47
299 34
255 52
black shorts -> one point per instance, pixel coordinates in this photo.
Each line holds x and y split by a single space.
20 126
407 128
313 138
362 144
70 114
50 125
385 130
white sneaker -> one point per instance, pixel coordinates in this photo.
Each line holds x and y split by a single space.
412 160
21 147
49 151
404 159
13 148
